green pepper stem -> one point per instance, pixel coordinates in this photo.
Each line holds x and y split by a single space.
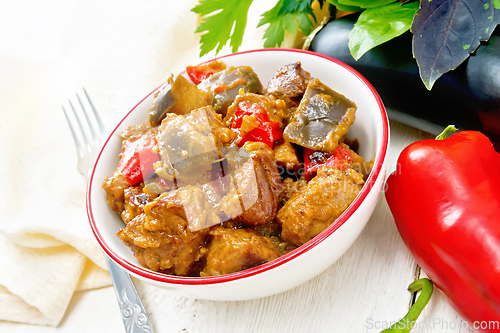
407 323
446 132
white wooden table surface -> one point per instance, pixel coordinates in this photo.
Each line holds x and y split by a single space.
363 291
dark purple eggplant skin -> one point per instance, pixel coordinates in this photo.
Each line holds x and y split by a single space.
461 97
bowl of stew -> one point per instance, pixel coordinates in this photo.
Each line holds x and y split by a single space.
242 177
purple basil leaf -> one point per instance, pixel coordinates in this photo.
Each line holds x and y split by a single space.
446 32
496 17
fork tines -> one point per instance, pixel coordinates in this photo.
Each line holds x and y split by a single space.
87 138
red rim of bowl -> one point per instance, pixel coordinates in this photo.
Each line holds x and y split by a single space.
180 280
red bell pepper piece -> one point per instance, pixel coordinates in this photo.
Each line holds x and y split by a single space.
248 109
266 133
136 163
202 72
197 74
445 198
313 160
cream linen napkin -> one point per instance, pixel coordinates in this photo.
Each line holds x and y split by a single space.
47 250
117 50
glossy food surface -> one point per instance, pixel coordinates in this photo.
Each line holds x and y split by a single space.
206 194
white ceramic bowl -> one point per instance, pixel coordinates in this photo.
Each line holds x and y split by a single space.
370 128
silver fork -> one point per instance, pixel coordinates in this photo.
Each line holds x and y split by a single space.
88 142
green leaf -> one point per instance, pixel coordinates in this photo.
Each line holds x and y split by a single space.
376 26
218 19
446 32
290 6
281 20
304 21
365 3
345 8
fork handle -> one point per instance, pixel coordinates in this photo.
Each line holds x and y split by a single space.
135 318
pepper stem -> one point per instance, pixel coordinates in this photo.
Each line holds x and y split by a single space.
406 324
446 132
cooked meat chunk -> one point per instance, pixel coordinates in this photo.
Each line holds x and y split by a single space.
255 188
318 204
161 238
289 81
115 187
135 200
233 250
189 145
261 152
177 96
322 118
286 155
290 187
200 205
226 84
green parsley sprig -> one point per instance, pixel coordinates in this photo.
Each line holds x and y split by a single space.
220 16
218 19
434 25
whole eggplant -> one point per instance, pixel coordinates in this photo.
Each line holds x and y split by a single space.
468 96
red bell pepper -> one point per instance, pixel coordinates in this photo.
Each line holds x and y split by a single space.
445 198
313 160
248 109
266 133
202 72
138 157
